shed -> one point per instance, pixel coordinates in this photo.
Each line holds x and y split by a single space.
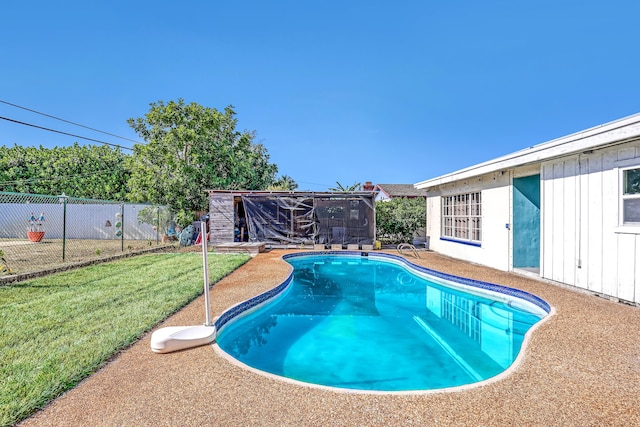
566 210
289 218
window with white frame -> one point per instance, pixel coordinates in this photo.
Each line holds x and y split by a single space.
631 196
462 217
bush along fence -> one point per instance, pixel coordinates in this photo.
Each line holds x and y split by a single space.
40 232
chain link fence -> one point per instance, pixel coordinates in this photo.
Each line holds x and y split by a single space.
39 232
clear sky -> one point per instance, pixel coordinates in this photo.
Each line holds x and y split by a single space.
347 91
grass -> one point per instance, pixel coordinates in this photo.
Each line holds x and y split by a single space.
59 329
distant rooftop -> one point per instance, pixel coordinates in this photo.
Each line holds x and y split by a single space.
400 190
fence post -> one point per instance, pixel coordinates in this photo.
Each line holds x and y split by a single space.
122 219
63 199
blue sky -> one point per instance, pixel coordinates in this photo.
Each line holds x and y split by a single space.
347 91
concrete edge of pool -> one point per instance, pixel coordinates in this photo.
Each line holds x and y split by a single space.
255 303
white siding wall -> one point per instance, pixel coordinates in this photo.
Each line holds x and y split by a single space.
583 244
381 197
582 241
494 251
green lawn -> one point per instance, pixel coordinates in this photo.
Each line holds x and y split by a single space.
59 329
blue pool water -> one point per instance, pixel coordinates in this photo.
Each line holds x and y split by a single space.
376 323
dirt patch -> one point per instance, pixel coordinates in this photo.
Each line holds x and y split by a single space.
26 259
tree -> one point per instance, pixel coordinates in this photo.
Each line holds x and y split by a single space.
88 171
284 183
157 216
189 149
340 187
398 220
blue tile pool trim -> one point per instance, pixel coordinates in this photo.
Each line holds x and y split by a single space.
237 310
464 242
462 280
250 303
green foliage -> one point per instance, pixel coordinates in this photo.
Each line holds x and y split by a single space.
157 216
53 331
189 149
398 220
284 183
4 266
183 218
96 172
339 187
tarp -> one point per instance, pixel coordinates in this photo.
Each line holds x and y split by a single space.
305 219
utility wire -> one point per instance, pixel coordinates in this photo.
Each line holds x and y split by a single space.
70 122
65 133
53 179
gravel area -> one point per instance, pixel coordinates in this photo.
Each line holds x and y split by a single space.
580 368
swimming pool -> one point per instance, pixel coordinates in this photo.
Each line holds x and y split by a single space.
374 321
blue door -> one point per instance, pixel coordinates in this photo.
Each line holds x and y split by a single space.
526 222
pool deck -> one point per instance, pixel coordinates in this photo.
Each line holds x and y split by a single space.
580 368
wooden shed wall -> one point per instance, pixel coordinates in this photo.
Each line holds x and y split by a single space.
221 218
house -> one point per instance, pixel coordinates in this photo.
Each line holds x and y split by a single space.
566 210
393 191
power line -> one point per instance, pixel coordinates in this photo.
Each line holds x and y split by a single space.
70 122
65 133
60 178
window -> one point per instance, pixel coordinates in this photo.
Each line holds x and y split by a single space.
462 217
631 196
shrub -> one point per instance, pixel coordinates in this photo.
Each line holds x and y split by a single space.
399 220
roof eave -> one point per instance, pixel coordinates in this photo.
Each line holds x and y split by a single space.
613 133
